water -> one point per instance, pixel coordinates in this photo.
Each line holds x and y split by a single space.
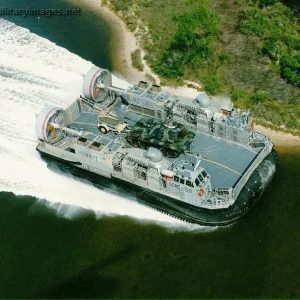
86 35
51 256
65 243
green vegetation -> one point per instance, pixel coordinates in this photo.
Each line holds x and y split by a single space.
136 58
266 3
122 4
201 41
192 45
290 68
277 115
277 25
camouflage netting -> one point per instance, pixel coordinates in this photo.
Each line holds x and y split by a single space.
171 141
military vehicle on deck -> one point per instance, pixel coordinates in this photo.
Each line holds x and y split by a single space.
108 123
171 139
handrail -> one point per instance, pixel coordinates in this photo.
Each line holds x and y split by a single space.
242 181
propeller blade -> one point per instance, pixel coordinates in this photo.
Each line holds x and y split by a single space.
53 133
96 91
50 127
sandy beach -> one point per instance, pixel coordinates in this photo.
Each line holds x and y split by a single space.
124 42
279 138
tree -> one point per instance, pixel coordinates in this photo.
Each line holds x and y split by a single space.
195 32
290 69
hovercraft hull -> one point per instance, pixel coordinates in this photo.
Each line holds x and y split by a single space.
251 192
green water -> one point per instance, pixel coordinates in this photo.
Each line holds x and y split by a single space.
47 256
43 255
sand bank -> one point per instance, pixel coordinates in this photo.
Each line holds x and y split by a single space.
123 41
279 138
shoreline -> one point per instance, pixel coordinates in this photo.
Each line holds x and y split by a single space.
279 138
124 42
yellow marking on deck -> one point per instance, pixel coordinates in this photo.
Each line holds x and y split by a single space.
219 164
93 124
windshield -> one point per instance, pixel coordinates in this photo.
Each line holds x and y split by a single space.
109 120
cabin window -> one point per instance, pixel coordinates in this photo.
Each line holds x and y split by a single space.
140 172
191 112
82 139
204 174
189 183
197 181
149 112
181 180
200 177
176 178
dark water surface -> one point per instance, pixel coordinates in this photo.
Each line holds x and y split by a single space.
44 255
86 35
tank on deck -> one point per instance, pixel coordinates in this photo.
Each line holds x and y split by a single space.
171 140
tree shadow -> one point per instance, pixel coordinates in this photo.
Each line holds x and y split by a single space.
89 283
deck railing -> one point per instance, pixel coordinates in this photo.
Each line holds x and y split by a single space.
242 181
73 111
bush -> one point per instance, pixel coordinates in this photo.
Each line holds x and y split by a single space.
292 41
265 3
294 124
147 3
279 29
275 49
277 22
192 45
260 97
240 96
254 22
224 57
171 65
122 4
290 69
136 59
213 85
195 30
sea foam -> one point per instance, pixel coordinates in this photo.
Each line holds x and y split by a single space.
35 72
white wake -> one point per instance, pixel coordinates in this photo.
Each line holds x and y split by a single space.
35 72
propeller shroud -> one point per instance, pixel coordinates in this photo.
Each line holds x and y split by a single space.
96 83
50 123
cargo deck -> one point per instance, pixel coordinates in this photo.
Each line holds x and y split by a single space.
219 157
184 156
